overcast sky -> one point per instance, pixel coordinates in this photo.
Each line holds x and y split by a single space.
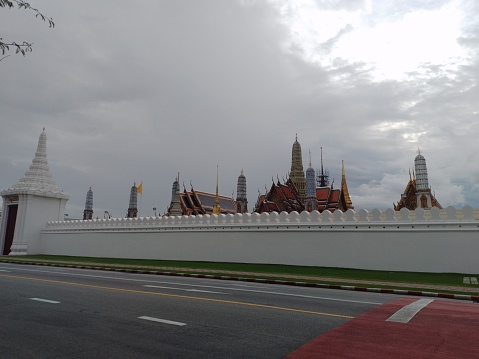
139 91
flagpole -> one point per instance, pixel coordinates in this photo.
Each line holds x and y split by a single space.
140 192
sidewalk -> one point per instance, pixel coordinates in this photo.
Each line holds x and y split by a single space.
363 285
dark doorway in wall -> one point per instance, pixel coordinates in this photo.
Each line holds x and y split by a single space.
10 231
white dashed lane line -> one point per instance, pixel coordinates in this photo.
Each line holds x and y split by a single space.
163 321
45 300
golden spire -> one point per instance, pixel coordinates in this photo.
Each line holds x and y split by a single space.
344 188
297 172
216 208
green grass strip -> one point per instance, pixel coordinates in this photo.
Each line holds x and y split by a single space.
279 271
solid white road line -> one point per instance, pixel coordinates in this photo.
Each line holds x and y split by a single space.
164 321
4 270
45 300
405 314
184 289
274 293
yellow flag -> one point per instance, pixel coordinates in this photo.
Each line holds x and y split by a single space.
139 189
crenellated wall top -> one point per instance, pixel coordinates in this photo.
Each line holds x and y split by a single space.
349 219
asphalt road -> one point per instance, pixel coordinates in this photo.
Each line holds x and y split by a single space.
48 312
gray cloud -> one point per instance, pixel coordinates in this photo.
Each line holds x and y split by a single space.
140 92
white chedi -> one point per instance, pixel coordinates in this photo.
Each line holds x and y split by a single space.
38 179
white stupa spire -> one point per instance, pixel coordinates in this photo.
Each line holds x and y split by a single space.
310 181
89 200
38 179
241 198
422 183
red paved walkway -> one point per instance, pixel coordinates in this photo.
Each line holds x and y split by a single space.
441 330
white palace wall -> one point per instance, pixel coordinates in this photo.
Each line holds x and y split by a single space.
424 241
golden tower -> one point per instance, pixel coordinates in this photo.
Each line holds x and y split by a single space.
216 208
297 173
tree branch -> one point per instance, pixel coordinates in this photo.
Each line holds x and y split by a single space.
25 46
4 57
22 48
24 5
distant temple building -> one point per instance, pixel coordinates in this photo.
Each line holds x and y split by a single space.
133 205
417 193
88 211
192 203
300 192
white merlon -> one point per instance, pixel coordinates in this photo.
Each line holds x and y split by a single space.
450 215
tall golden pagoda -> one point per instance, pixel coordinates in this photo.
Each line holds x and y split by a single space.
297 173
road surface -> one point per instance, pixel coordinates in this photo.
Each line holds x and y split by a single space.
49 312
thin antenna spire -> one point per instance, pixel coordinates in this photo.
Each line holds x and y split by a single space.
216 208
322 178
322 171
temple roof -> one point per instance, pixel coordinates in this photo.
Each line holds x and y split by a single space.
409 198
285 197
38 179
322 193
197 202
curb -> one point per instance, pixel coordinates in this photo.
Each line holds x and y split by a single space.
473 298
